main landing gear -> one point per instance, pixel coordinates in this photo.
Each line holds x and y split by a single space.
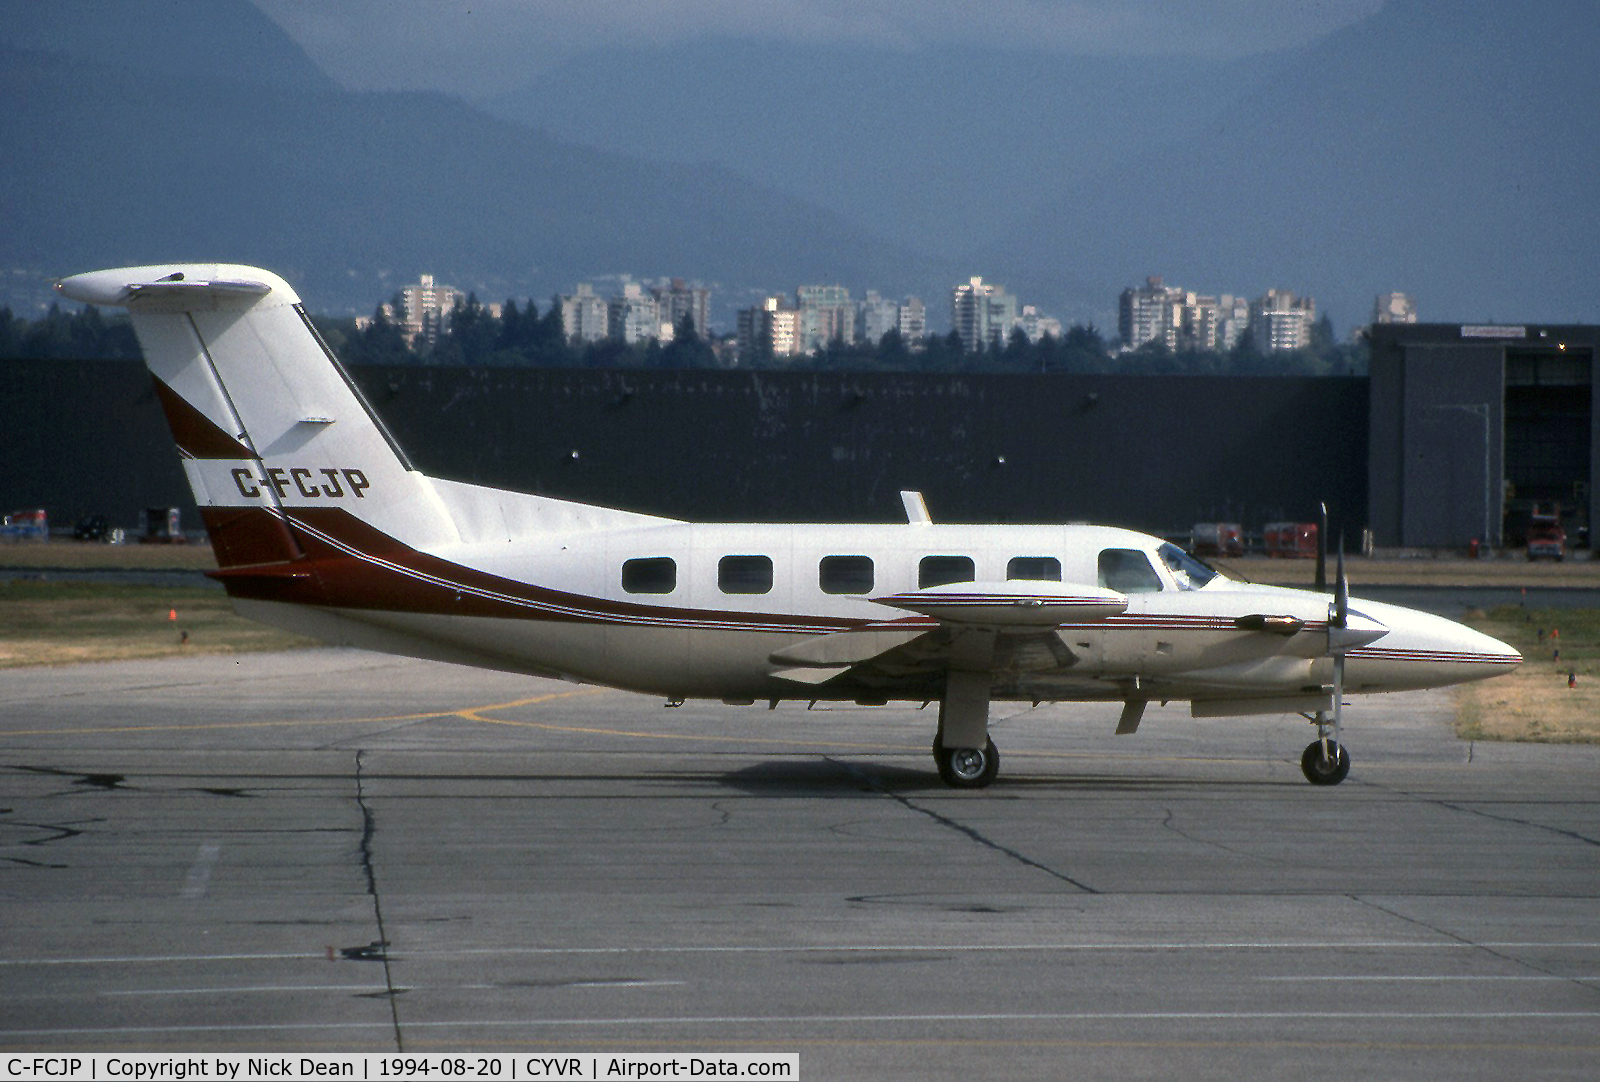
967 768
961 748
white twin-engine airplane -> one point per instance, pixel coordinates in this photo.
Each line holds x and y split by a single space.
321 525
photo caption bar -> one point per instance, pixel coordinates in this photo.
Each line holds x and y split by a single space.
377 1067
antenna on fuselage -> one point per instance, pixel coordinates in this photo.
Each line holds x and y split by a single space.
916 508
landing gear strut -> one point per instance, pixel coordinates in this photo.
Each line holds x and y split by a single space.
1325 762
962 749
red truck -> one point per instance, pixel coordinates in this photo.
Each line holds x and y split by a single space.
1294 540
1547 539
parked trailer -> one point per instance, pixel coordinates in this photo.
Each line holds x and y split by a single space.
1217 539
26 526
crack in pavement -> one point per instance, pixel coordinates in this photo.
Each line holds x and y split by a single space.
872 784
381 946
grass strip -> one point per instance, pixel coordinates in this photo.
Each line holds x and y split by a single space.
62 623
1554 696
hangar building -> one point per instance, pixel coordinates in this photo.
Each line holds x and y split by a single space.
1470 426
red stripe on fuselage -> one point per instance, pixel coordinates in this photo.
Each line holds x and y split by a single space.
349 564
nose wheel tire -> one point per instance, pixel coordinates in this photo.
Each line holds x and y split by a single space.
1325 766
967 768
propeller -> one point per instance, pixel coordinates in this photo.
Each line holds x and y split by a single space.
1347 631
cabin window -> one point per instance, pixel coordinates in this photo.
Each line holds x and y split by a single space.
845 574
1034 567
745 574
650 575
1128 571
939 570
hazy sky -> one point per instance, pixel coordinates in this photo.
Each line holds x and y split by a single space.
475 47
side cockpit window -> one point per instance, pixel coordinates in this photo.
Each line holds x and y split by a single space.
1189 572
1128 571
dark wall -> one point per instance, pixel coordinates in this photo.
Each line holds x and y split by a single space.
1156 453
86 437
1454 418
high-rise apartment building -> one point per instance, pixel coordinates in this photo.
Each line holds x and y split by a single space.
1233 320
913 321
427 308
1036 326
633 316
826 315
1149 314
773 325
1280 320
677 299
875 317
981 314
1199 320
584 316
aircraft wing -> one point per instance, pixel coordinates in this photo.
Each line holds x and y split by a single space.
1004 627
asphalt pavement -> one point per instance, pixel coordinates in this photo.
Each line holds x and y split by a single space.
332 850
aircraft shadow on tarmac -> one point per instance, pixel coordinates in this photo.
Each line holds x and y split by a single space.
834 777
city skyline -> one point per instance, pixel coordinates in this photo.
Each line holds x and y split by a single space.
1343 168
983 315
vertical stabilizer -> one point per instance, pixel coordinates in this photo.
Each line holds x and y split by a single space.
283 453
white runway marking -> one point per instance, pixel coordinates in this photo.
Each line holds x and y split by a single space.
1436 977
199 879
245 991
839 1019
1322 946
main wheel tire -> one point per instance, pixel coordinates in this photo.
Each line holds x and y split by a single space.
1329 769
967 768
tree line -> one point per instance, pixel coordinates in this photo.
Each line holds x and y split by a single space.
521 335
60 335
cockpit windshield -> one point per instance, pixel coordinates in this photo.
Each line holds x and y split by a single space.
1189 572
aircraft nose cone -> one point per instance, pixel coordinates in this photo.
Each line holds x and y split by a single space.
1424 650
1503 656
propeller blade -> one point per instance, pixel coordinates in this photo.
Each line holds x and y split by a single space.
1322 549
1341 599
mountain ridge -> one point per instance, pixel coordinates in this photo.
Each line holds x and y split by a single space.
351 195
1447 150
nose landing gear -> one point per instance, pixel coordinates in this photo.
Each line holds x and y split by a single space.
1325 762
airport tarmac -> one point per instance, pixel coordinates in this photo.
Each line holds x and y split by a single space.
332 850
